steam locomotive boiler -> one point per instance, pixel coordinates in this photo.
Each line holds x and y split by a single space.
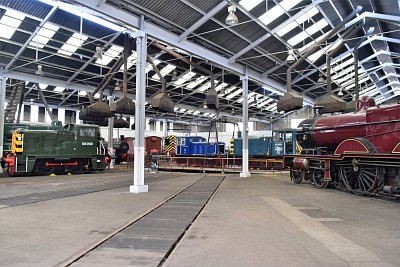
358 151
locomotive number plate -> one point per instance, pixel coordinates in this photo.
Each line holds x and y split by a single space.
87 143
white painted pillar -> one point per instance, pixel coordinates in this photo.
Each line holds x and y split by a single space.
140 119
245 159
77 120
3 88
34 113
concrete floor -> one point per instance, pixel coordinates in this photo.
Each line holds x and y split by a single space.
264 220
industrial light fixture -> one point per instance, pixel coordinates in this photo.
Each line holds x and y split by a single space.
205 105
340 93
40 70
320 79
233 110
231 19
117 87
174 76
290 58
97 54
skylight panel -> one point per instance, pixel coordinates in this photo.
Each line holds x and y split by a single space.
196 82
59 89
9 23
287 28
44 35
206 86
110 54
221 86
277 11
249 4
130 61
288 4
312 12
73 43
317 26
43 86
237 92
150 67
82 93
298 38
166 70
269 100
272 106
344 64
188 76
196 112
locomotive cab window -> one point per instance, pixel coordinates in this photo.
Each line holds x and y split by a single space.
89 132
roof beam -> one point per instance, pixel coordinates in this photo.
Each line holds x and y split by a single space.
22 49
165 36
206 17
274 30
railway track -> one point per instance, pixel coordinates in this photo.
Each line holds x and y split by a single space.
12 201
149 239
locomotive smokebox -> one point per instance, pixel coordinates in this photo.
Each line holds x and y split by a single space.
212 100
124 106
162 102
330 104
290 101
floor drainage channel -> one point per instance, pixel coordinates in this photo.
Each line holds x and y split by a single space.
150 240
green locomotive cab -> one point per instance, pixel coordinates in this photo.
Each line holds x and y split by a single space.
71 149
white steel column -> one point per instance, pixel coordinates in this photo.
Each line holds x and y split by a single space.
140 119
110 145
245 158
3 87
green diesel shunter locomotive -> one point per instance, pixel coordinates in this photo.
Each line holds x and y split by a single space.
73 149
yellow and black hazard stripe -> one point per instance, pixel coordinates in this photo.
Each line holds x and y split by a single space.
231 148
170 143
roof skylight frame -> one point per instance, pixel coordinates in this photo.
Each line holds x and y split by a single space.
45 33
112 53
10 22
72 44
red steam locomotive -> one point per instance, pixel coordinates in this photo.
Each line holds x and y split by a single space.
356 151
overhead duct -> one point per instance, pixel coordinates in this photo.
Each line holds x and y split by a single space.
95 112
331 103
291 100
211 100
124 105
121 123
102 122
99 111
161 101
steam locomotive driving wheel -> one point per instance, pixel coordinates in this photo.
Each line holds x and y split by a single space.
318 179
359 176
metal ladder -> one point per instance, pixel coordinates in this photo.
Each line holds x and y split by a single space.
15 99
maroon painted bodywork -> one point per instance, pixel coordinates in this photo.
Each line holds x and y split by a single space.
331 131
379 125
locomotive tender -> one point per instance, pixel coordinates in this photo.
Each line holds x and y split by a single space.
72 149
356 151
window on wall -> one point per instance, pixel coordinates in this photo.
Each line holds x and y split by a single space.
42 114
27 113
152 125
54 112
70 117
